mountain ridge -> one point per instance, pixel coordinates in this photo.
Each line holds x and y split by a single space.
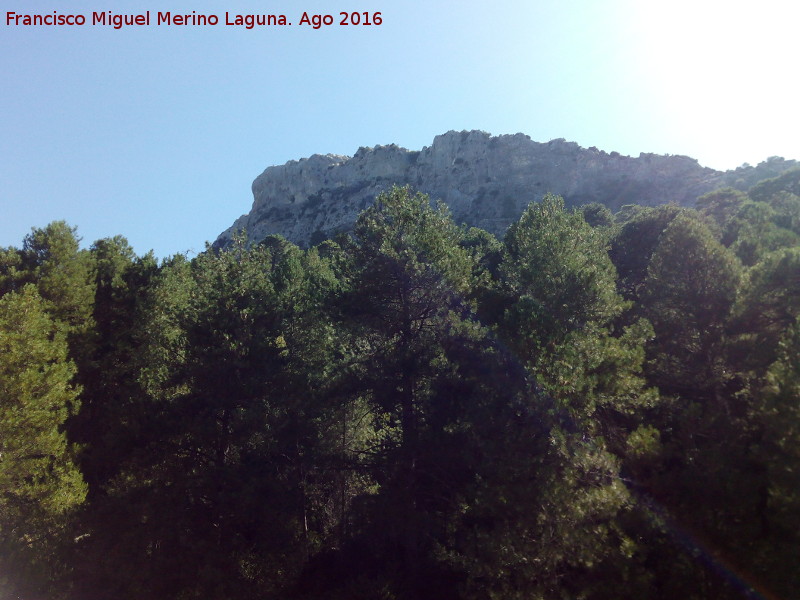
487 181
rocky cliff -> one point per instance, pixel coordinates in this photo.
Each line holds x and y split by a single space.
487 181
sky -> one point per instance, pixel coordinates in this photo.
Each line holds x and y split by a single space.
157 132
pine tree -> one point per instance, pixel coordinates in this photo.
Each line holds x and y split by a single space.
39 482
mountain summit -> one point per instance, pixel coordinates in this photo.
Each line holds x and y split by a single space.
486 180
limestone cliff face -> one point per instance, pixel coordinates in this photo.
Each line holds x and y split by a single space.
487 181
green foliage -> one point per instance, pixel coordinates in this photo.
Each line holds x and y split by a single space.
632 247
753 233
37 397
688 294
108 366
597 215
765 219
39 481
558 268
721 205
51 259
768 189
234 365
778 412
707 431
768 304
561 308
561 311
409 316
594 407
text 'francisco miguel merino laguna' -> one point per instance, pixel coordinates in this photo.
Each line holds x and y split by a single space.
117 21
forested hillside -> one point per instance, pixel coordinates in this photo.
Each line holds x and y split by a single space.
596 406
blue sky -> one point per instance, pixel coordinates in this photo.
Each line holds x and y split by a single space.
156 133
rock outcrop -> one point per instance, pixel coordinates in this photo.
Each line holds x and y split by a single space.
487 181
